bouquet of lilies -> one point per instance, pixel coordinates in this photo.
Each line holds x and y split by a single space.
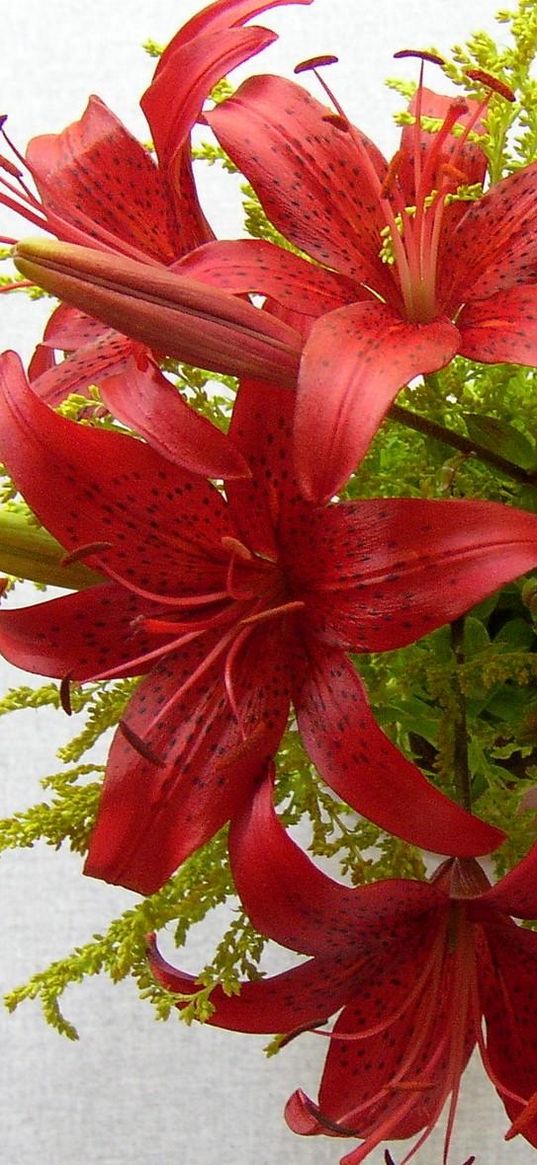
289 483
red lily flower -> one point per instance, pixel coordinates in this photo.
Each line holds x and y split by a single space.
422 277
230 608
416 966
100 187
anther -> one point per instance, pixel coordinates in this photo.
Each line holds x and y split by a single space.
140 746
453 172
339 1129
315 63
11 168
236 547
391 174
299 1031
65 694
421 54
338 121
490 82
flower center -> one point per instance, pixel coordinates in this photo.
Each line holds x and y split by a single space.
435 176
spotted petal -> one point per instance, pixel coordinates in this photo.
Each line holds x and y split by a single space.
148 403
86 176
199 758
79 635
382 572
502 328
157 527
495 245
291 901
254 265
315 185
302 996
367 771
353 365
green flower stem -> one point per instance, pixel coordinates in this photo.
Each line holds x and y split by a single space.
460 741
27 551
420 424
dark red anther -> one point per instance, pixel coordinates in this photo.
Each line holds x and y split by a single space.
140 746
65 694
10 167
299 1031
338 121
490 82
315 63
421 54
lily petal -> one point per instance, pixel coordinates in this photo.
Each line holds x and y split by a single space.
198 762
78 635
507 990
125 485
355 362
380 573
502 328
69 169
494 247
516 893
291 901
280 1003
308 174
367 771
254 265
110 353
149 404
263 436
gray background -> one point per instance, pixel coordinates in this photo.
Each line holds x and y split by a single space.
134 1092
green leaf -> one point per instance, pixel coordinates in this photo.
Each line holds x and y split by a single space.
516 634
476 637
500 437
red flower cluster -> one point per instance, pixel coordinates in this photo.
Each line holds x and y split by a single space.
238 600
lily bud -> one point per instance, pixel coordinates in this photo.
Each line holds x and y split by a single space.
29 552
170 313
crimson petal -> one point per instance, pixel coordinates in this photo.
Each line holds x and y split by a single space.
380 573
502 328
494 246
507 990
291 901
367 771
164 529
152 816
254 265
308 174
78 635
516 892
86 175
280 1003
354 363
147 402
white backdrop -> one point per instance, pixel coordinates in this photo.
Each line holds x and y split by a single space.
133 1092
